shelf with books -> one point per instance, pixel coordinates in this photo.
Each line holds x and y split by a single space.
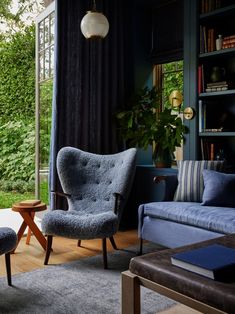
215 83
216 77
217 93
206 133
223 53
217 12
216 29
216 148
216 116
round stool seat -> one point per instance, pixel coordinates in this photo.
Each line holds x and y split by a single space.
8 240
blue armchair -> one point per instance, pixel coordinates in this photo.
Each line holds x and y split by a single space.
96 188
8 240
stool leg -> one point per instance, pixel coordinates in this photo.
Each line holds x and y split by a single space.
79 242
8 267
48 249
29 230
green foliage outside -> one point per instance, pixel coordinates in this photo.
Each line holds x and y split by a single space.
17 110
9 198
17 154
46 91
172 79
17 76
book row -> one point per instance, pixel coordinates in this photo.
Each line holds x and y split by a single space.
208 40
211 150
210 5
208 122
207 87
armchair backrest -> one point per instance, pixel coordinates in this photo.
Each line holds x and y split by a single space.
92 179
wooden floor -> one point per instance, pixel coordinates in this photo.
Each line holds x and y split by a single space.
30 257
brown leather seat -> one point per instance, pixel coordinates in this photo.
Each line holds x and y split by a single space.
157 268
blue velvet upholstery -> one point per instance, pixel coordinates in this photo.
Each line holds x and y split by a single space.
215 219
175 223
219 189
8 241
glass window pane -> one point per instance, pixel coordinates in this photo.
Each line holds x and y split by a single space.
52 28
41 66
51 61
45 89
41 35
47 63
46 31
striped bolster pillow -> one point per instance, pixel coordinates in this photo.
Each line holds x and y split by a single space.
190 180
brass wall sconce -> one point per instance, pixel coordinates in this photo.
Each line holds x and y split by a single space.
176 100
188 113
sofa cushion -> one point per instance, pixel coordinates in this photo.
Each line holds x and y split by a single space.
219 189
212 218
190 180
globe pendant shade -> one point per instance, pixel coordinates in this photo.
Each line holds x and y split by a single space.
94 24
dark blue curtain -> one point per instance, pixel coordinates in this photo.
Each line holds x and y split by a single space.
92 79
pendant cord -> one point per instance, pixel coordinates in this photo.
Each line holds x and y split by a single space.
94 5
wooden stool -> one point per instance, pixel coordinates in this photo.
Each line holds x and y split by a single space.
28 212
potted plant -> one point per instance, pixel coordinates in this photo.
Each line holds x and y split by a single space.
142 123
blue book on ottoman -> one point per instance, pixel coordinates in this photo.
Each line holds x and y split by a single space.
214 261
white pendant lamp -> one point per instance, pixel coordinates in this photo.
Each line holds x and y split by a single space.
94 24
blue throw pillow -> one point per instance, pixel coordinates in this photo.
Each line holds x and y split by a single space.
219 189
190 180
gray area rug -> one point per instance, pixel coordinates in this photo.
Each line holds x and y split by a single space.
78 287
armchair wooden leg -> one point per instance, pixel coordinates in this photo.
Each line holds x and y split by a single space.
8 267
79 242
48 249
104 253
141 247
113 243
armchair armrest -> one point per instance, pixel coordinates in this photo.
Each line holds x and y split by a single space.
56 193
170 184
60 193
118 199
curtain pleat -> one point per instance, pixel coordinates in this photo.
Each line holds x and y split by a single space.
92 79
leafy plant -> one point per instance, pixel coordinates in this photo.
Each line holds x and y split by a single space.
17 154
142 123
17 75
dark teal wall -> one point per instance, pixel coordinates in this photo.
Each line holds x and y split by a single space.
142 30
190 75
143 67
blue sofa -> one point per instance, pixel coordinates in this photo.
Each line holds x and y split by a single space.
181 220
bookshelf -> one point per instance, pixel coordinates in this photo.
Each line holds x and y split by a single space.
216 80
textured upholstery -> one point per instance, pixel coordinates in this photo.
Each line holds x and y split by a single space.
174 223
8 240
91 181
211 218
218 189
190 186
